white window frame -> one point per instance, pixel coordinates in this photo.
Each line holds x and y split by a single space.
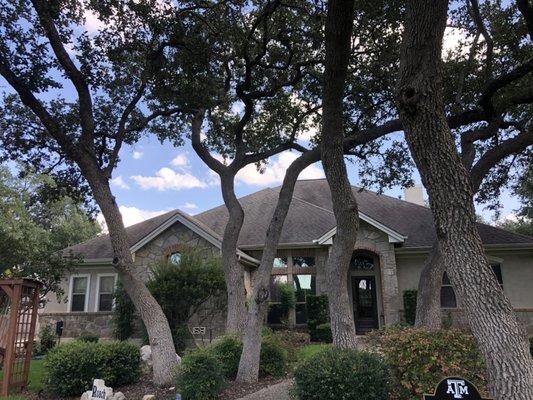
87 291
97 300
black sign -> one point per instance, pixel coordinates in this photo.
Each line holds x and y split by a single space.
455 389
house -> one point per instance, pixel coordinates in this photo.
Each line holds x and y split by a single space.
394 239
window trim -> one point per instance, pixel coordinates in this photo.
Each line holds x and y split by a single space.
87 292
98 278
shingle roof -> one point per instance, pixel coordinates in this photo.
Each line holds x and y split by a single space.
310 216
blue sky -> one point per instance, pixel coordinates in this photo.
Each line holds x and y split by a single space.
154 177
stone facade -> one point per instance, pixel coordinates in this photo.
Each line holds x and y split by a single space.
76 323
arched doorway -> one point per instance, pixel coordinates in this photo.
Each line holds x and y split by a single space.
365 291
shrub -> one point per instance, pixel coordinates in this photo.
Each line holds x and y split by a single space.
181 337
291 341
200 376
409 305
228 349
187 286
420 358
89 337
71 368
123 314
334 374
47 339
317 313
287 296
273 357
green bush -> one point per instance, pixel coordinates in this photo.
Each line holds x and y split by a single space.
334 374
47 339
200 376
409 305
419 359
323 333
287 296
228 349
317 314
71 368
273 358
88 337
123 314
181 337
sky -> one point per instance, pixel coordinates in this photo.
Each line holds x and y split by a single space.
153 178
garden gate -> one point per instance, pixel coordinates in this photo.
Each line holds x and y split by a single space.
19 300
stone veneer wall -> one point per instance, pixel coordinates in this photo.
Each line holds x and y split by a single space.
369 238
76 323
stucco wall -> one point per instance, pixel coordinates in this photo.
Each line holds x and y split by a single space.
517 275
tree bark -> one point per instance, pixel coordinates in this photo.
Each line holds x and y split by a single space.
233 271
428 313
258 305
339 24
155 321
492 320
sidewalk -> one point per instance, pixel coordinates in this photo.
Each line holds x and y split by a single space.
280 391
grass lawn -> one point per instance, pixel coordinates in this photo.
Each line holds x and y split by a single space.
35 380
310 350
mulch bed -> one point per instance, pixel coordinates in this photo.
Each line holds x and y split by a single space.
238 390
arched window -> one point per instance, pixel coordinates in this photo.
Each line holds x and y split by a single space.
175 257
362 263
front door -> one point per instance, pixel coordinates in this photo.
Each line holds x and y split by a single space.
365 306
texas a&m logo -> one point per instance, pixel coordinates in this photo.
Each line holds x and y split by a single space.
455 388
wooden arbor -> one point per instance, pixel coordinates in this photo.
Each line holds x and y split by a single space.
19 300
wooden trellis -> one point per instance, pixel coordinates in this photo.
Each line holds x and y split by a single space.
19 300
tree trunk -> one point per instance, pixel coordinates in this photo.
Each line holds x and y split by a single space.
492 320
339 24
258 306
233 271
428 313
155 321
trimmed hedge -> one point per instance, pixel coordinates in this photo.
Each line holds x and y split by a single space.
317 314
419 359
200 376
88 337
409 305
228 348
71 368
334 374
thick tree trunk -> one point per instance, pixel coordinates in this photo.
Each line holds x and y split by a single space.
492 320
428 313
339 25
163 351
258 305
233 271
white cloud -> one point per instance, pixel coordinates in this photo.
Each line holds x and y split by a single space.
119 182
274 171
181 160
137 155
188 206
453 37
92 23
168 179
130 216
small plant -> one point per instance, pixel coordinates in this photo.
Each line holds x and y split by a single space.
47 339
181 337
273 360
323 333
89 337
200 376
123 314
409 305
333 374
71 368
227 350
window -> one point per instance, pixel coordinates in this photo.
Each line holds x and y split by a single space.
304 285
280 262
497 269
274 310
79 293
303 262
106 287
175 258
447 295
362 263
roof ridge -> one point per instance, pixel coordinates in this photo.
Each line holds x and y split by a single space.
311 204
